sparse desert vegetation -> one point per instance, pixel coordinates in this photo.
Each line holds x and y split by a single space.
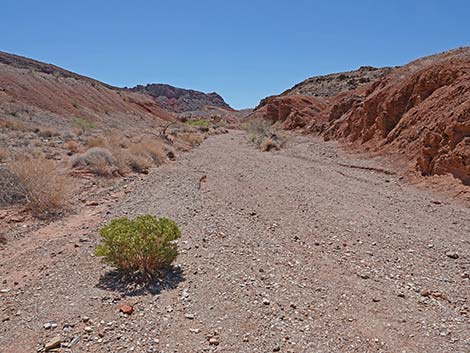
261 134
36 183
144 244
275 247
97 160
198 122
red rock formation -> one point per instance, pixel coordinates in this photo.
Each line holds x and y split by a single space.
420 111
424 115
292 112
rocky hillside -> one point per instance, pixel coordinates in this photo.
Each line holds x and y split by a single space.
179 100
44 94
419 112
331 85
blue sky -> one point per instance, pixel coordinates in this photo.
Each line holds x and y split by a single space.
244 50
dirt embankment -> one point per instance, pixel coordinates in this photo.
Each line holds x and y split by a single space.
420 112
45 94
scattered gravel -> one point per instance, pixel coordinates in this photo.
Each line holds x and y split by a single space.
285 251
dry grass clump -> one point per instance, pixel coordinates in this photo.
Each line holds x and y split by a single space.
4 154
116 139
114 154
149 149
11 190
97 160
269 144
138 164
261 134
96 141
35 182
191 138
47 133
13 125
72 146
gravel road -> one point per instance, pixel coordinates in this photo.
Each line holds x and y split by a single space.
309 249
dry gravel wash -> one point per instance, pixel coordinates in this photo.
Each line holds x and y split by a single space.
288 251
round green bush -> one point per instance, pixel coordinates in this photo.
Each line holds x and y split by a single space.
144 244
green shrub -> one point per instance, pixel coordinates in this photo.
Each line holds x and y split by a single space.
145 244
198 122
84 124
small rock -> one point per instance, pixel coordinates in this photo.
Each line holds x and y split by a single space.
194 330
266 301
53 343
189 316
47 325
5 290
88 329
425 292
452 255
213 341
74 341
277 349
126 309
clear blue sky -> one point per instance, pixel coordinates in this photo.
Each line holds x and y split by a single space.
244 49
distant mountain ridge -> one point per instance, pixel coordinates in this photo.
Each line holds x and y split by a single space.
179 100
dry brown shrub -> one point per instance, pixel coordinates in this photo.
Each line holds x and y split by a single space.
268 144
97 160
139 164
122 157
72 146
117 139
38 183
11 190
13 125
96 141
47 133
4 154
191 138
150 149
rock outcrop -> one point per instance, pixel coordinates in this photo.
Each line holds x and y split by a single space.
179 100
420 112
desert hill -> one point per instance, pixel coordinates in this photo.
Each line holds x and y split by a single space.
45 94
419 112
179 100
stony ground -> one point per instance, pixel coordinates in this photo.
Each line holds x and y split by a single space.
291 251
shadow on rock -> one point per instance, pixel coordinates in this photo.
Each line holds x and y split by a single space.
137 283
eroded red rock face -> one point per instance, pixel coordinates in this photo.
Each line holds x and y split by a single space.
424 115
293 112
420 111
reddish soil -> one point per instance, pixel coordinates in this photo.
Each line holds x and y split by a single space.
311 249
419 113
30 88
